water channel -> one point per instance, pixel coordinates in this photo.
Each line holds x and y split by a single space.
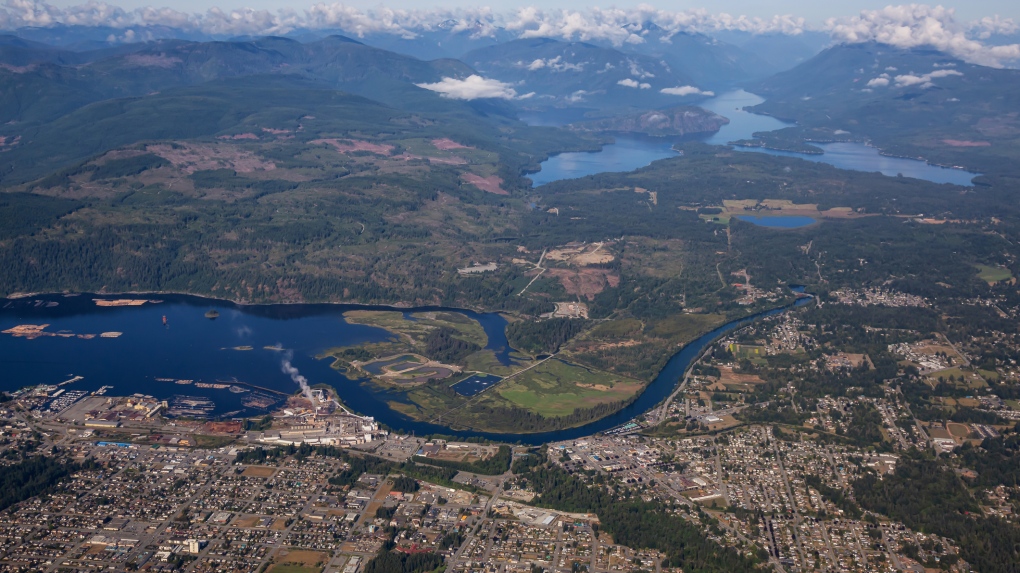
244 348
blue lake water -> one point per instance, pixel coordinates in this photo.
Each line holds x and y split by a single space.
633 152
192 347
627 154
743 124
860 157
780 222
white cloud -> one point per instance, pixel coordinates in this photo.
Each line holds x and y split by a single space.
473 87
632 83
903 26
988 26
554 64
620 26
686 91
924 80
914 25
577 96
878 83
617 26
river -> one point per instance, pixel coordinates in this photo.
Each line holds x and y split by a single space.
634 151
245 348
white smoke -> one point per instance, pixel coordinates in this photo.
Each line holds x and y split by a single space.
296 376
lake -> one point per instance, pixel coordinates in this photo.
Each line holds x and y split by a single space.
245 347
628 153
632 152
780 222
861 157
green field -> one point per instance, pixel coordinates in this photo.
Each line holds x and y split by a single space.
685 326
990 375
556 388
963 379
485 361
992 275
617 328
414 330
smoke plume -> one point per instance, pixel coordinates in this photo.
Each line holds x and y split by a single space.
296 376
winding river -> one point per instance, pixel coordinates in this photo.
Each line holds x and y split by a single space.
244 348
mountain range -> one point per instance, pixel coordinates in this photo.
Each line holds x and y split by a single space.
916 102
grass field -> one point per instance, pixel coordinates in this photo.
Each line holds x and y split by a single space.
485 361
621 328
992 275
963 379
556 388
774 208
989 375
685 326
959 430
415 330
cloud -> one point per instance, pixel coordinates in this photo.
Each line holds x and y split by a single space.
635 70
472 87
686 91
620 26
632 83
616 26
554 64
914 25
924 80
577 96
912 79
990 25
904 26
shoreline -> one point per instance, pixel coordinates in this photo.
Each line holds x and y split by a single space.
400 305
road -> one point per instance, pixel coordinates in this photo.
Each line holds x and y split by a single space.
539 266
793 502
659 414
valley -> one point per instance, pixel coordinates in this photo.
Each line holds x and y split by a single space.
551 291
